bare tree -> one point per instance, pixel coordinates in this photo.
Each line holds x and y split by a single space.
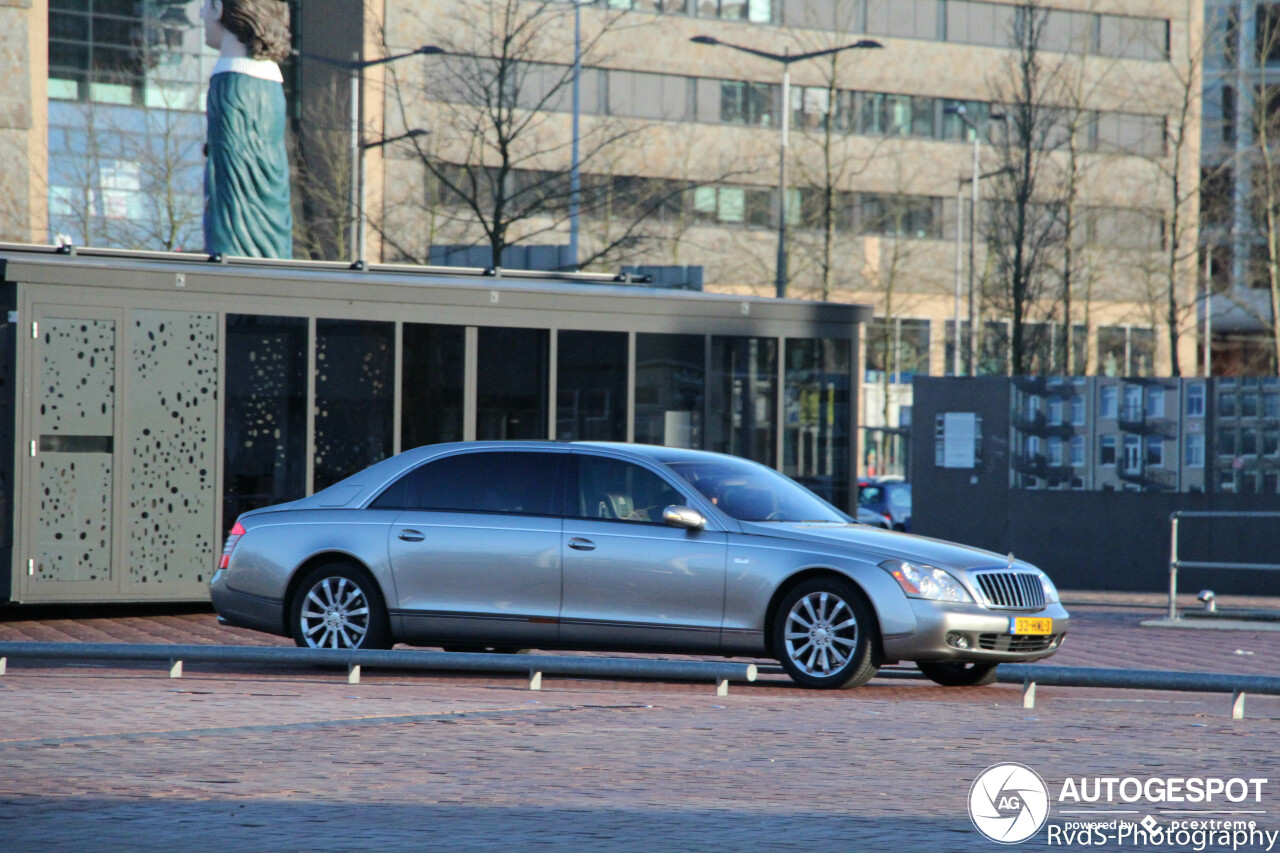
1264 174
497 106
1024 224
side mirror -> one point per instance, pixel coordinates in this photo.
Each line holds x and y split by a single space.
683 516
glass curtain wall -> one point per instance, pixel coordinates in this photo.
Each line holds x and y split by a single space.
591 386
671 376
266 412
816 417
431 385
354 397
511 383
742 418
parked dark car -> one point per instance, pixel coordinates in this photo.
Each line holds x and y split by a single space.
625 547
891 498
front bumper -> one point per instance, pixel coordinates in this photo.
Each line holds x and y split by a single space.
986 633
245 611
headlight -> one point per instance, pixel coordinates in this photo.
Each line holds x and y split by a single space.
1050 591
920 581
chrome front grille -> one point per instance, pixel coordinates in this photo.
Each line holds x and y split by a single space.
1016 643
1011 590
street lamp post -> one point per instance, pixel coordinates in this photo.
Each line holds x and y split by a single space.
785 59
356 198
575 177
960 111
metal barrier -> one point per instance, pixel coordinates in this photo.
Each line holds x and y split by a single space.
1029 675
1175 563
535 666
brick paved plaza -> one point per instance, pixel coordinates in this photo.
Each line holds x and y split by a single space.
108 758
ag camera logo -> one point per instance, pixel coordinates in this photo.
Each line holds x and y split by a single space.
1008 803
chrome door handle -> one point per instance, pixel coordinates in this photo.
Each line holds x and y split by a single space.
411 535
582 544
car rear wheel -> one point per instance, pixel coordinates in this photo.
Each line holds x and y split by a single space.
823 635
339 607
959 673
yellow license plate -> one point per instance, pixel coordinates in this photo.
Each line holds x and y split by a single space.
1030 625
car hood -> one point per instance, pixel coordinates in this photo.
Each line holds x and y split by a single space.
880 545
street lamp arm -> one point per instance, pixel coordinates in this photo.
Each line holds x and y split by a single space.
378 143
785 58
361 64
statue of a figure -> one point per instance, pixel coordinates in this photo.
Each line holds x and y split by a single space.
246 178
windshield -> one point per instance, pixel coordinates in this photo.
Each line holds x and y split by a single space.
751 492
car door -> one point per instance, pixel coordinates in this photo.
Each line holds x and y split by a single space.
630 580
476 551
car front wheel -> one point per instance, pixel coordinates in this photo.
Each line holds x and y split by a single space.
823 635
959 673
339 607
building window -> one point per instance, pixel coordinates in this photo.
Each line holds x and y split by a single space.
1077 451
1248 405
1195 400
1132 454
1055 411
1226 405
1132 403
1107 402
1077 410
1195 451
1248 442
1107 450
1155 452
1271 406
1226 442
1155 402
746 103
1055 452
1271 442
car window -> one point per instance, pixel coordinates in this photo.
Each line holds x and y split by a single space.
870 495
751 492
900 497
523 483
614 490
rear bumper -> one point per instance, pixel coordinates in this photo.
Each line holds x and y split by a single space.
246 611
986 633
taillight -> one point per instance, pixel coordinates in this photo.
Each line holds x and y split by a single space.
232 538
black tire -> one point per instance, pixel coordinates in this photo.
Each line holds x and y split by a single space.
836 648
957 673
346 610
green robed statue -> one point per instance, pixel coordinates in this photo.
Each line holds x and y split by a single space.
246 178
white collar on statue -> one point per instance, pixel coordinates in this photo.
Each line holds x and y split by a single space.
263 69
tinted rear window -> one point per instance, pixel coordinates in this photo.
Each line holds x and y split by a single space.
501 482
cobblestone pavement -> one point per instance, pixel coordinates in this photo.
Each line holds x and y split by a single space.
121 758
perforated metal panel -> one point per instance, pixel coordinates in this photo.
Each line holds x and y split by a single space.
75 468
172 447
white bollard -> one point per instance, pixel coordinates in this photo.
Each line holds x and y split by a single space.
722 687
1028 694
353 673
1237 705
535 679
175 669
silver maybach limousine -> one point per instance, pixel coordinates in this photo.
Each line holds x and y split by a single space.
623 547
